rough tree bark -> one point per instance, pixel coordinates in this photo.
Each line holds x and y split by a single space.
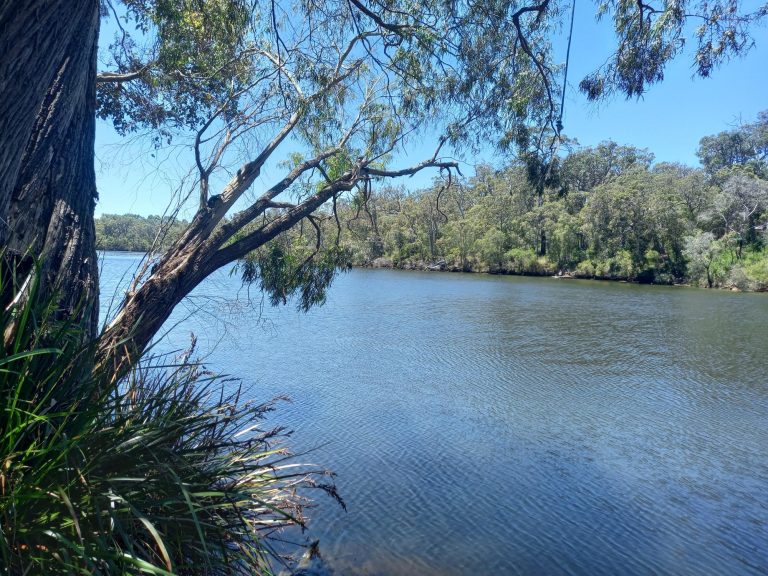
47 128
33 37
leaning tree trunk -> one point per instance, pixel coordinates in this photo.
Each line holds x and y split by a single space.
47 202
198 253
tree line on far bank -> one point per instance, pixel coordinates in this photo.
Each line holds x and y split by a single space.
133 233
606 212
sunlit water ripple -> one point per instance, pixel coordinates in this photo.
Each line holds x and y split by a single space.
488 425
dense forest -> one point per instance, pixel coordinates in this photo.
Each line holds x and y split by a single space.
606 212
609 212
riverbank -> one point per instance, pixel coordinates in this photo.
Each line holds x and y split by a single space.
546 272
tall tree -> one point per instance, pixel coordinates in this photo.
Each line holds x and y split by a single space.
590 167
738 204
745 146
47 127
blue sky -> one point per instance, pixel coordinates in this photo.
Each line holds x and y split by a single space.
669 120
672 116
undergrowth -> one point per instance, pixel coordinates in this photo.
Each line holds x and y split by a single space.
168 470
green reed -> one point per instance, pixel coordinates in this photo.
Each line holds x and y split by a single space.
167 470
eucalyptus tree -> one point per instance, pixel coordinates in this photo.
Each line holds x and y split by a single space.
616 217
342 84
587 168
47 124
701 251
738 204
745 146
690 185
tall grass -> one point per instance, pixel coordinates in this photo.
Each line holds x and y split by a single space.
165 471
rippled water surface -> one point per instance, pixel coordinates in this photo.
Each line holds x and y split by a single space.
499 425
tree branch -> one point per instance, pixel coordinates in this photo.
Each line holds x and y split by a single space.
544 71
345 183
394 28
119 78
267 232
248 173
244 217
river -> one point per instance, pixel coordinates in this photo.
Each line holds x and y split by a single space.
507 425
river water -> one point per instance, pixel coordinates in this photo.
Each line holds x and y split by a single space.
505 425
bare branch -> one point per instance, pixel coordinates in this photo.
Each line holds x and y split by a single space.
248 173
118 78
291 217
280 67
410 171
394 28
280 205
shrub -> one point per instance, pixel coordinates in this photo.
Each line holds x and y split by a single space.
522 261
756 270
653 259
164 471
621 266
491 247
585 269
737 278
721 267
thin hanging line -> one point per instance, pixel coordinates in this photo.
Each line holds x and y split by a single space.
554 147
565 75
